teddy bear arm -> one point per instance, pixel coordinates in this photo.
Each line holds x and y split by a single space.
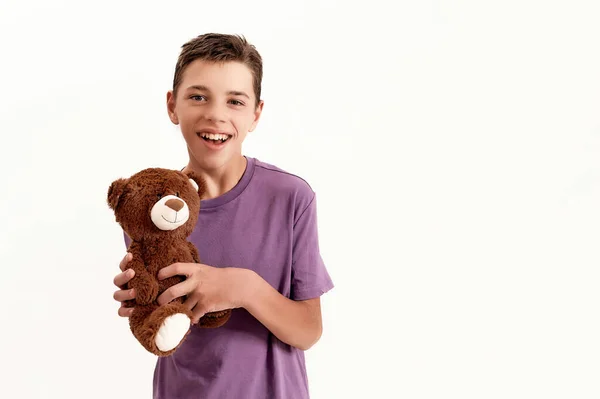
145 286
146 289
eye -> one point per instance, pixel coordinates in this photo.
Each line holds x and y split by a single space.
237 102
197 97
159 196
177 194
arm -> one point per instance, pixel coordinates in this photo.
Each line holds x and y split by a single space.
210 289
145 286
297 323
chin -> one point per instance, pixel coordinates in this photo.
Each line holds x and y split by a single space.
212 161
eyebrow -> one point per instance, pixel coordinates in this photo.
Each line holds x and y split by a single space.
230 92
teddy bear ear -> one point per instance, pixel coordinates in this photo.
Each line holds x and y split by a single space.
115 191
197 182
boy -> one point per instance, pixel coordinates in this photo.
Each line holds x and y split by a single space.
256 236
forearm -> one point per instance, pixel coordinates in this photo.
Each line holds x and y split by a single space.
297 323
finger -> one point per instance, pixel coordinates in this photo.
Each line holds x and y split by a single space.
124 295
197 313
176 269
125 312
123 278
176 291
126 258
191 302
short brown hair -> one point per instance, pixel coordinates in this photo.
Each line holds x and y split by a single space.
217 47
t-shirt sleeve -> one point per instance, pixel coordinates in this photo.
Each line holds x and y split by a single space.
127 240
310 278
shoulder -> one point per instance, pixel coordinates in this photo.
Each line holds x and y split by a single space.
283 184
276 178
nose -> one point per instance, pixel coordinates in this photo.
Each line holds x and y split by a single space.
174 204
215 113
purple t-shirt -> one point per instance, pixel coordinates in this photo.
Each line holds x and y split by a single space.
267 223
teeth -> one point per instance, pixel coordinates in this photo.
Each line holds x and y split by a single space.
212 136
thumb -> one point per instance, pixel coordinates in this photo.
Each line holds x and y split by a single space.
198 312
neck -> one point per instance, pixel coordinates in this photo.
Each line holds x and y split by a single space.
222 179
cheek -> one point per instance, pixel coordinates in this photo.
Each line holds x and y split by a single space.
243 122
188 112
188 117
188 123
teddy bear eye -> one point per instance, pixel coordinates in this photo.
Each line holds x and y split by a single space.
177 194
159 196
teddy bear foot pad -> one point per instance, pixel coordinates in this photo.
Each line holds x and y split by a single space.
172 331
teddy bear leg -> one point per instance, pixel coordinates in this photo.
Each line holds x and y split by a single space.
172 331
215 319
163 328
138 323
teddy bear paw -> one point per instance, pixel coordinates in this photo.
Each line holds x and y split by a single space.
172 331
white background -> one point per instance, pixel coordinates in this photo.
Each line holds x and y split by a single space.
453 146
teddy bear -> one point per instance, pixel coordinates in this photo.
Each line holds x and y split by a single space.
158 209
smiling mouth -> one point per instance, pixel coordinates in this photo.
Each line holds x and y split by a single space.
168 221
218 138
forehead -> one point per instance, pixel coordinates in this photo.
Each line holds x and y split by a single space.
218 76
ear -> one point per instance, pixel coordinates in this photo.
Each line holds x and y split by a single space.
171 107
115 191
257 113
197 182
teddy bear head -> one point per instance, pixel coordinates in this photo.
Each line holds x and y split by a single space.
156 202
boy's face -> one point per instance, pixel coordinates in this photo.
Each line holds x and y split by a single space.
215 108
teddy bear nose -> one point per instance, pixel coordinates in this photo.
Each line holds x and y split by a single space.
174 204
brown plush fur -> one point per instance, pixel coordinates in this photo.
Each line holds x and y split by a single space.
153 249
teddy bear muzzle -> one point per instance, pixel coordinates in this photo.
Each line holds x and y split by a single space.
169 213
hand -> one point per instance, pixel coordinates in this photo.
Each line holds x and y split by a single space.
120 281
208 289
